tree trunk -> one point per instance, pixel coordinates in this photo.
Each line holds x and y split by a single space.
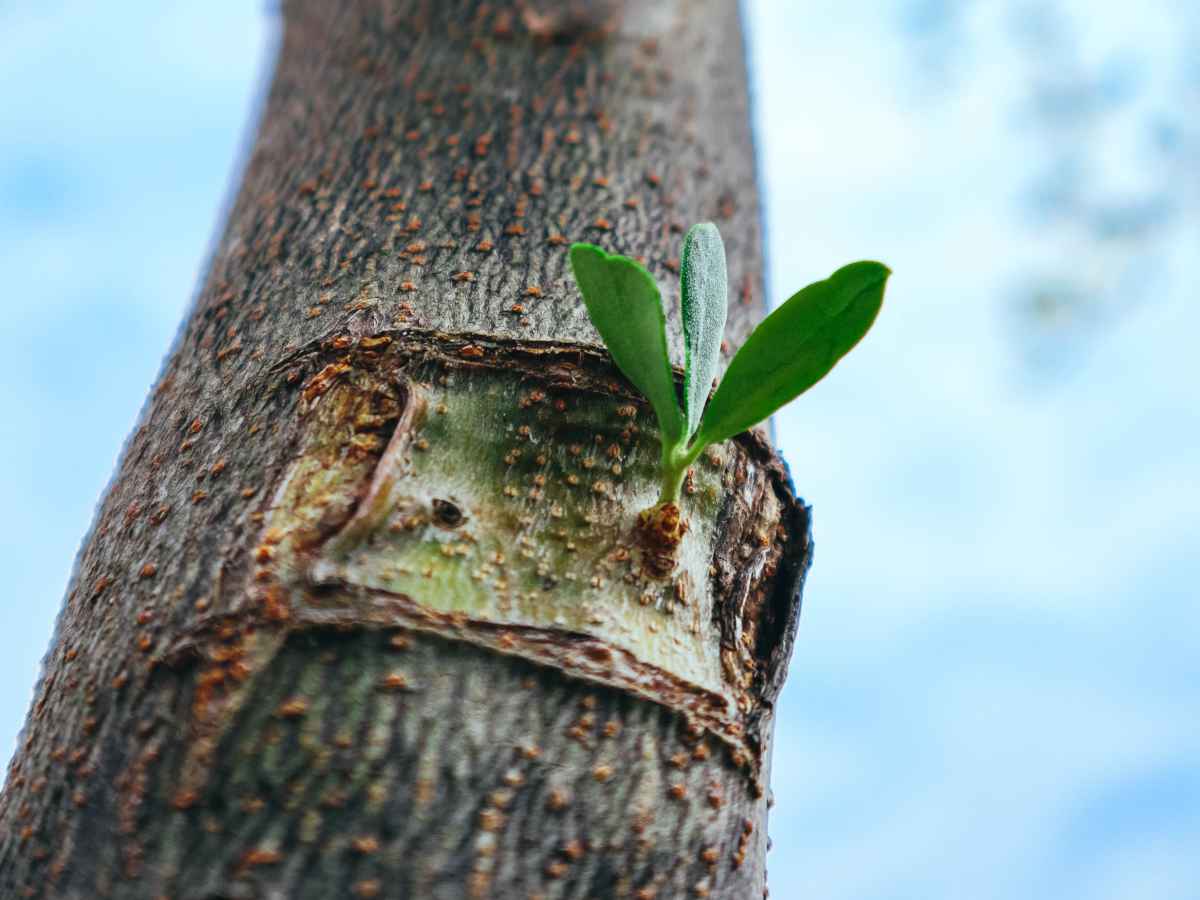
363 613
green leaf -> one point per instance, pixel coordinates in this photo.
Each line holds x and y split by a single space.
624 305
794 348
704 290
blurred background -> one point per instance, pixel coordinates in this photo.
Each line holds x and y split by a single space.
996 686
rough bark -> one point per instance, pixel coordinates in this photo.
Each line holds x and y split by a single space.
363 612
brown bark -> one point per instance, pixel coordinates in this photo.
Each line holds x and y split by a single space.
363 613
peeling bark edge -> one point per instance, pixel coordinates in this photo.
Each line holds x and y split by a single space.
586 369
592 370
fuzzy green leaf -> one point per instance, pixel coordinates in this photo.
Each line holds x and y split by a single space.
704 293
794 348
624 305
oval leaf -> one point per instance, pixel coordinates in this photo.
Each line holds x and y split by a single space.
794 348
704 293
624 305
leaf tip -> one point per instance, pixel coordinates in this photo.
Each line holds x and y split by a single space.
583 249
868 269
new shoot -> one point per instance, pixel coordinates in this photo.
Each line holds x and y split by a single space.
790 351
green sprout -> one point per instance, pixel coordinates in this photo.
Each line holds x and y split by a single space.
789 352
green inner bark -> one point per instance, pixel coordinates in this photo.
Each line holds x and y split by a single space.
514 504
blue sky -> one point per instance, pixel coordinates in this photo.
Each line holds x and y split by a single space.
996 680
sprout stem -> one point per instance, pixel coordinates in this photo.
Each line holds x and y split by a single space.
676 460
